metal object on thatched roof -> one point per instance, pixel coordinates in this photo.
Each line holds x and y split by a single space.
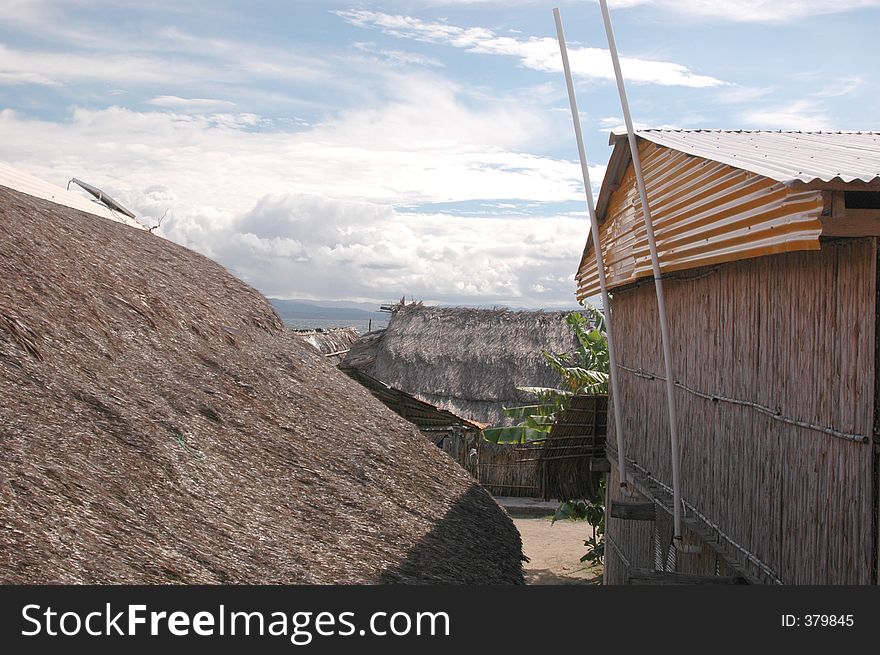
159 425
465 360
34 186
333 343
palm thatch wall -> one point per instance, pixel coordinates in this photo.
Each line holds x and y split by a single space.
501 469
576 443
775 383
468 361
158 424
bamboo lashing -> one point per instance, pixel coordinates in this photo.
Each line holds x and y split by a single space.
769 411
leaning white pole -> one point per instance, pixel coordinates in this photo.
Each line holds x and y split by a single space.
597 247
658 277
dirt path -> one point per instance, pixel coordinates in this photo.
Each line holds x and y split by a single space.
555 551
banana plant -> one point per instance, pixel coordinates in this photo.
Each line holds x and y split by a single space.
583 371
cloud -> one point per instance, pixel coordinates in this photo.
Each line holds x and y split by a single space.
399 56
756 11
310 212
798 115
763 11
426 144
311 246
541 54
841 87
617 125
190 104
169 58
54 68
737 94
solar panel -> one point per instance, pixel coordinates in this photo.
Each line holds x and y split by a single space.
103 198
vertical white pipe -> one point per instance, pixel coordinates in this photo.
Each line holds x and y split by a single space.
658 277
597 247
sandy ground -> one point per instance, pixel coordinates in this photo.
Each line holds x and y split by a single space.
555 551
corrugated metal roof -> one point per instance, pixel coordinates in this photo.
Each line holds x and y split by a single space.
704 212
34 186
780 155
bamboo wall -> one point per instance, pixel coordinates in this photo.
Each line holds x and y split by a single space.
503 469
793 332
635 544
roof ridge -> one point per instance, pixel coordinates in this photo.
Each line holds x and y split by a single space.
742 131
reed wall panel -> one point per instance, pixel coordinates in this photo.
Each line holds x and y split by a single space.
632 542
793 332
502 469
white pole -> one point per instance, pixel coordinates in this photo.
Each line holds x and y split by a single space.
658 277
597 247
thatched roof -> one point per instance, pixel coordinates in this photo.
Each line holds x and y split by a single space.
158 424
433 422
333 343
468 361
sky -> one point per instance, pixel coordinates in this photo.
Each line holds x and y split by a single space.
366 151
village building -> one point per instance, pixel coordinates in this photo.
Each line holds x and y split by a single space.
160 425
768 247
454 370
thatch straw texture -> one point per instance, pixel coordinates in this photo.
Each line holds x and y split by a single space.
775 366
434 422
158 424
468 361
333 343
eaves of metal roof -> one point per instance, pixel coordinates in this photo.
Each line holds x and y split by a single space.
810 158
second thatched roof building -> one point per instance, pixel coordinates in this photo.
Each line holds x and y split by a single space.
468 361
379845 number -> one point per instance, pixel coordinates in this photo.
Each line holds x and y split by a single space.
818 620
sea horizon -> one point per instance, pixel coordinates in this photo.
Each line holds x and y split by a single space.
361 325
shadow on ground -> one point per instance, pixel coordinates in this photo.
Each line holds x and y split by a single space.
550 577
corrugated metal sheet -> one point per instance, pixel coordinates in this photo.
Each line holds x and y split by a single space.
786 157
704 212
34 186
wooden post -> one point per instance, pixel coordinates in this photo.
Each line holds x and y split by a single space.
632 511
600 465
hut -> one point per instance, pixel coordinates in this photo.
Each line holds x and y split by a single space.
468 361
159 425
571 460
768 247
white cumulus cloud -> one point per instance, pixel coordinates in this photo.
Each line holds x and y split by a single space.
538 53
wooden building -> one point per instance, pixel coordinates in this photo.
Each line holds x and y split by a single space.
768 247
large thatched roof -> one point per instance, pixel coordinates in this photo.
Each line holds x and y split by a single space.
158 424
468 361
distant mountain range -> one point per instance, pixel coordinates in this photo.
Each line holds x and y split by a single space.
299 309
